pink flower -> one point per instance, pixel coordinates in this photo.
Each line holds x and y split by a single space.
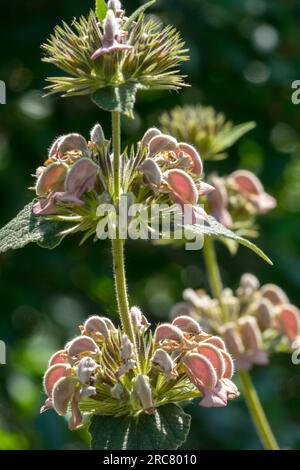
249 186
210 369
112 37
218 201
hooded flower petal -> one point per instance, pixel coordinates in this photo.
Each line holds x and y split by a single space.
289 321
62 393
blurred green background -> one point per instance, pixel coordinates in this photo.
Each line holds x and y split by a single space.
244 56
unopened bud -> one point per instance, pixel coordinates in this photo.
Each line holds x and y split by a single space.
126 348
110 26
232 339
162 359
249 282
151 172
143 391
250 332
265 312
97 134
114 5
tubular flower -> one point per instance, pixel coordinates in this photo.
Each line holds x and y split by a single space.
115 52
208 131
77 179
259 320
174 169
97 372
238 199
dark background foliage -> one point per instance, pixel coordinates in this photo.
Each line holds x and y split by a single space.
244 56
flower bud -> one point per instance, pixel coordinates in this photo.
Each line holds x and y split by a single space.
218 201
114 5
86 368
143 391
250 332
187 324
232 338
95 326
82 344
289 321
274 293
162 359
166 331
126 348
97 135
151 172
138 319
162 143
249 283
265 312
149 135
197 167
110 27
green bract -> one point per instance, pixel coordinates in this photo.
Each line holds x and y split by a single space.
141 54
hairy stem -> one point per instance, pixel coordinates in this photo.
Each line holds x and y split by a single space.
120 286
213 273
256 410
116 138
118 243
258 415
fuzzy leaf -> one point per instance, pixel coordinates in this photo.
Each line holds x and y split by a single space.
136 14
216 230
101 9
166 429
27 228
227 138
120 98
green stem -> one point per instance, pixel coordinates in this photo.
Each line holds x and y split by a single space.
118 243
121 287
116 131
256 410
258 415
213 273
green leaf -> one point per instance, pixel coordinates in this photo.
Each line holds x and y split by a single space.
27 228
136 14
228 137
166 429
101 9
214 229
119 98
